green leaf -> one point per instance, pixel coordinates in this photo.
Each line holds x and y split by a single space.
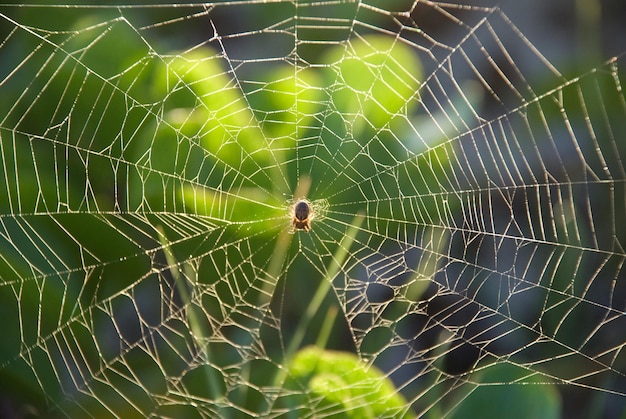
510 396
343 386
377 77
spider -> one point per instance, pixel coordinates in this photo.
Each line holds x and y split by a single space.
302 214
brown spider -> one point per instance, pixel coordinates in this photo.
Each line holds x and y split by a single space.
302 214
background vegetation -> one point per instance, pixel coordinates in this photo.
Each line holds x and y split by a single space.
112 262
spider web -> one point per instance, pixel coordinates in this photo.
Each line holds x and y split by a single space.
466 184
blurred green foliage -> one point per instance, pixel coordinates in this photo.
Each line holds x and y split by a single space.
339 384
105 134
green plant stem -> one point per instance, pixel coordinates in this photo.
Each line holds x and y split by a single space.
336 265
280 249
589 17
327 327
197 331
